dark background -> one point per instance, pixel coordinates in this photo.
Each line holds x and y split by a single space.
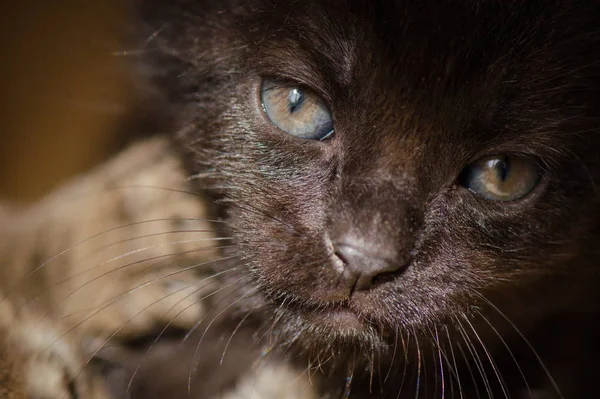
64 89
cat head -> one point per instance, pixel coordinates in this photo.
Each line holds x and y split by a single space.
382 165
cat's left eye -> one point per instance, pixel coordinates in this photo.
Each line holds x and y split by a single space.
296 110
501 177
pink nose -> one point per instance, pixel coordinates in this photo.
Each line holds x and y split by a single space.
362 270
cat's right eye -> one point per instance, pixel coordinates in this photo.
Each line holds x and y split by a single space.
501 177
296 110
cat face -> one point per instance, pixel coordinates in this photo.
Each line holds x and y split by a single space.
384 164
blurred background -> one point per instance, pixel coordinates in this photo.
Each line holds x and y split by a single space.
64 90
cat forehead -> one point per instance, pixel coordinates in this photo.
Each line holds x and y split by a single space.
417 53
393 36
418 42
454 60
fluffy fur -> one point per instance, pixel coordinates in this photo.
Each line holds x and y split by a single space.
486 296
418 91
115 254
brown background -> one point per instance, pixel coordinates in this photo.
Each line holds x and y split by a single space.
63 90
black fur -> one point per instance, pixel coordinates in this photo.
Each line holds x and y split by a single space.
418 90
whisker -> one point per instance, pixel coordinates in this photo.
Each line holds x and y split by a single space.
150 247
199 322
439 349
387 375
116 298
371 369
469 369
537 356
202 175
137 251
476 358
154 35
79 243
164 233
436 377
308 369
405 347
509 352
84 271
105 342
457 374
136 289
348 384
252 209
143 48
239 325
418 367
147 260
162 188
95 352
323 362
166 327
193 366
276 319
489 357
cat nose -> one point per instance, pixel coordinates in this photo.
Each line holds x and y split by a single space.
362 269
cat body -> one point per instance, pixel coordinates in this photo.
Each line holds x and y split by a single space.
36 360
112 255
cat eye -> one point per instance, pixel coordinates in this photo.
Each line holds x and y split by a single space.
501 177
296 110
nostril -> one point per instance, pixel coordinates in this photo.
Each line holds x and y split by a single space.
385 277
340 256
361 270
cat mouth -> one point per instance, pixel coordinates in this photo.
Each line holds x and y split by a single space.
341 327
343 318
339 318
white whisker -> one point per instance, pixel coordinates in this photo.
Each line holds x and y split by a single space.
206 330
490 358
541 363
138 288
510 353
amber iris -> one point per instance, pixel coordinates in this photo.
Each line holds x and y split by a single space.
296 110
501 177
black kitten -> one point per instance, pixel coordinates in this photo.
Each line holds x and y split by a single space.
411 185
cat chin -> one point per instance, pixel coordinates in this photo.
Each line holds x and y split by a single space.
339 321
333 331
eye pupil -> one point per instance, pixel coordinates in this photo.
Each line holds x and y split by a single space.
501 178
296 100
502 168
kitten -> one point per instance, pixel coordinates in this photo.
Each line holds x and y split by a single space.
411 185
